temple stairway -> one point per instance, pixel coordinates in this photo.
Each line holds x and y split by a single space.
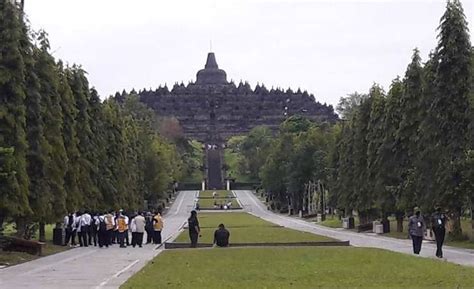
214 173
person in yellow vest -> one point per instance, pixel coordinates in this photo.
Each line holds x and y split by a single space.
122 229
157 228
110 225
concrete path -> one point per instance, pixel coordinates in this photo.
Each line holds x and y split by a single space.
94 267
253 205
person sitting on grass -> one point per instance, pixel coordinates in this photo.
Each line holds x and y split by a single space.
221 236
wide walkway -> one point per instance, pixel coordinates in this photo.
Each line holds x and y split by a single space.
93 267
253 205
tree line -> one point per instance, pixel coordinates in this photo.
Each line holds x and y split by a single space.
61 147
391 151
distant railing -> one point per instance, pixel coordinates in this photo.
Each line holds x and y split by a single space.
244 185
189 186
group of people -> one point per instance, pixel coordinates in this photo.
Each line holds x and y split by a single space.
108 228
417 227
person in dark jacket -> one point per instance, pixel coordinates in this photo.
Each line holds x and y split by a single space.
221 236
149 227
416 229
194 229
438 223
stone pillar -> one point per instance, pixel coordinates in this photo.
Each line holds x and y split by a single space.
227 185
203 185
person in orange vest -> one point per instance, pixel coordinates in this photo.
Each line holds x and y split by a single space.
122 228
110 225
157 228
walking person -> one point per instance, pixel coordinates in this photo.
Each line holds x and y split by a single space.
416 228
139 226
194 229
157 227
438 222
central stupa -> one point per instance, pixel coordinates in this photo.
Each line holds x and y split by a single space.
211 74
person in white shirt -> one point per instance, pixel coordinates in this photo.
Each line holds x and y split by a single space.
138 229
70 229
84 222
127 221
102 232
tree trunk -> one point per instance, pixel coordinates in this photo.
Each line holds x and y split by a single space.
42 233
472 224
2 218
455 220
399 217
20 227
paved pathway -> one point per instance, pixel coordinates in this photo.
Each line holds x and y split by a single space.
253 205
93 267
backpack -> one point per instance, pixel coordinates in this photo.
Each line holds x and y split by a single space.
102 225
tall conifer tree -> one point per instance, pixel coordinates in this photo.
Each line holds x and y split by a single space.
14 189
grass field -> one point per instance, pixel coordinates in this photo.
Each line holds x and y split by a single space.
220 194
245 228
12 258
209 203
301 268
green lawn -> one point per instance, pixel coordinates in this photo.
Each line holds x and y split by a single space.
331 222
220 194
12 258
245 228
209 203
231 219
301 268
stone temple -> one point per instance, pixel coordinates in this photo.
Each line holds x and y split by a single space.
212 109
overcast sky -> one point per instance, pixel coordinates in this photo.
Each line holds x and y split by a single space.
330 48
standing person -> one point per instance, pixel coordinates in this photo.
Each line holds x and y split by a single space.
133 229
416 227
115 232
121 228
157 227
85 221
93 228
78 228
127 222
194 229
139 223
221 236
110 225
102 231
149 227
70 229
438 222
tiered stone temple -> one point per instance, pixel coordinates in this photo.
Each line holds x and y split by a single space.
213 109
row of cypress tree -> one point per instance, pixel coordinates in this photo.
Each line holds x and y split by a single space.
61 147
413 146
